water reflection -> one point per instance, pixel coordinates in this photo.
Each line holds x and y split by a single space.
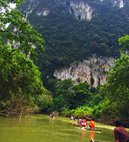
91 135
83 135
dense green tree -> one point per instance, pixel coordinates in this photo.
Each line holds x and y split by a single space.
69 96
15 30
63 94
81 95
20 83
116 91
45 102
124 41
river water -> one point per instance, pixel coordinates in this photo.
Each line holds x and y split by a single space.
39 128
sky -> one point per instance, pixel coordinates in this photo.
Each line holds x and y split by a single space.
12 5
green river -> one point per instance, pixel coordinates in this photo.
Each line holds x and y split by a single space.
39 128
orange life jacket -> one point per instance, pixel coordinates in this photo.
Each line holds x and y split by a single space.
92 124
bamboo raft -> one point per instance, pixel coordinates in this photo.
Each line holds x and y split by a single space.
77 125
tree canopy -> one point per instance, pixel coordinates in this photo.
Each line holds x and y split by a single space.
116 90
20 82
16 31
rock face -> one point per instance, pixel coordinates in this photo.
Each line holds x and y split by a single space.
43 12
81 9
93 70
30 5
84 11
119 3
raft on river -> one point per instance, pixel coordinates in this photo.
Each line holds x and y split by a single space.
78 125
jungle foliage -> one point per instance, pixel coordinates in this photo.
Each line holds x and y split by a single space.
20 82
106 103
115 92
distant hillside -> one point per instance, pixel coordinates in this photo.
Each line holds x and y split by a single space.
76 29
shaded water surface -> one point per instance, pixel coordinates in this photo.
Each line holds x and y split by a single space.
39 128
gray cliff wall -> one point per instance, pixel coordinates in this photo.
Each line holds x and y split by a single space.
94 67
81 9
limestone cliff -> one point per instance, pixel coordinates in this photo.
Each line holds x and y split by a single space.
94 68
68 39
81 9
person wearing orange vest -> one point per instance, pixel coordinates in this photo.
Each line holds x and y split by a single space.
92 124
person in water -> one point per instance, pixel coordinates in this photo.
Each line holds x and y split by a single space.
71 118
92 124
51 116
80 120
74 117
120 132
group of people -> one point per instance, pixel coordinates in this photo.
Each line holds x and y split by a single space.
120 133
82 122
72 117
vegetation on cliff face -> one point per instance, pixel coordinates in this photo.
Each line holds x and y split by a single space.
69 39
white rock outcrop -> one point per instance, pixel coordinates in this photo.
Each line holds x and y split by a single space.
43 12
119 3
30 7
81 10
94 67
